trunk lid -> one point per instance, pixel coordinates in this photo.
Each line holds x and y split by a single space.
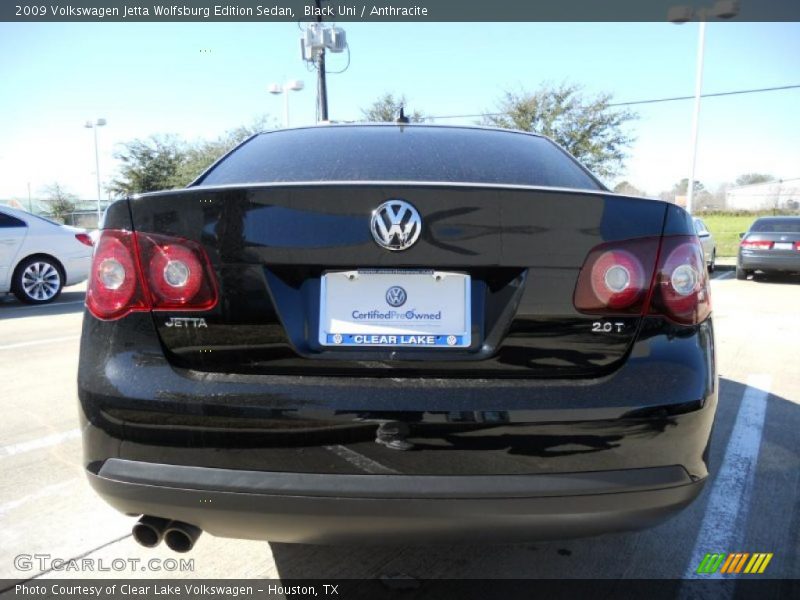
523 249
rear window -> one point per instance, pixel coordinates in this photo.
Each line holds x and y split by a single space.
776 226
394 153
10 222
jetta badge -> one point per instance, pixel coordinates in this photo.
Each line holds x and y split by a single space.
396 225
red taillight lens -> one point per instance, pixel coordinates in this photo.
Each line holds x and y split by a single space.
680 289
84 238
114 289
616 277
757 245
143 271
623 278
178 273
797 246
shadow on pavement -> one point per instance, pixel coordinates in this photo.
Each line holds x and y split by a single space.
772 524
67 303
790 278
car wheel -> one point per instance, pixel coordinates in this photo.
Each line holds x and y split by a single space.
741 273
37 280
712 264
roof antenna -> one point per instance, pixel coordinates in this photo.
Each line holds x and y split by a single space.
402 119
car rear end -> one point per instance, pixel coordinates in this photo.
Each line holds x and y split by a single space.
771 244
265 355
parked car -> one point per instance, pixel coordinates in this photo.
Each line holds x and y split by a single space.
396 333
38 257
708 242
771 244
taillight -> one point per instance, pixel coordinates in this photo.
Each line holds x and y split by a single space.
680 288
757 245
797 246
623 278
143 271
178 273
114 287
84 238
616 277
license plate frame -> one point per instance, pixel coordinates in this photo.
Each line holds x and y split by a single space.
434 309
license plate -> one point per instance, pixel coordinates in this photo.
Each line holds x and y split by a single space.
783 246
396 308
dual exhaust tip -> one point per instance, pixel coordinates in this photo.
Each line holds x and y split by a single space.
179 537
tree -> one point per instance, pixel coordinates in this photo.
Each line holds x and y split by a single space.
702 197
201 155
149 165
387 108
682 187
751 178
163 162
59 201
587 127
628 189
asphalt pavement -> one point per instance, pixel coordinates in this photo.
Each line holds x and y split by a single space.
749 505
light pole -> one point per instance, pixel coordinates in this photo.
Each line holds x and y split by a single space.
723 9
94 126
276 89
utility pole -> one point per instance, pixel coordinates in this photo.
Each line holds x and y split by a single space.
322 85
316 40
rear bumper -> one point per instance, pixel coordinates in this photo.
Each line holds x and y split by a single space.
318 508
295 458
765 262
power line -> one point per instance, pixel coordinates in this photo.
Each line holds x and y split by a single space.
734 93
635 102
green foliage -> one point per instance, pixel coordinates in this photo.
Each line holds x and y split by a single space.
59 201
587 127
628 189
168 162
682 187
201 155
751 178
387 108
149 165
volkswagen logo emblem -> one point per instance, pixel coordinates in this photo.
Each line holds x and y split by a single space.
396 225
396 296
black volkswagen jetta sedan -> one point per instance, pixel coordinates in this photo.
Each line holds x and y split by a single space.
394 333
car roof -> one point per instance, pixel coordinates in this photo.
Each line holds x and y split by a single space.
401 125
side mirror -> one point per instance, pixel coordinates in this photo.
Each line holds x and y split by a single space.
703 234
741 235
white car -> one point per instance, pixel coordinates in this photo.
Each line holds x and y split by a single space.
38 257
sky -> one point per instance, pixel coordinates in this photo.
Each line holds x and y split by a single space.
198 80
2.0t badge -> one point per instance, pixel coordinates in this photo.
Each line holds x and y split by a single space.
395 225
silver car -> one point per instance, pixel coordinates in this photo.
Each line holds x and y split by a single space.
708 243
38 257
